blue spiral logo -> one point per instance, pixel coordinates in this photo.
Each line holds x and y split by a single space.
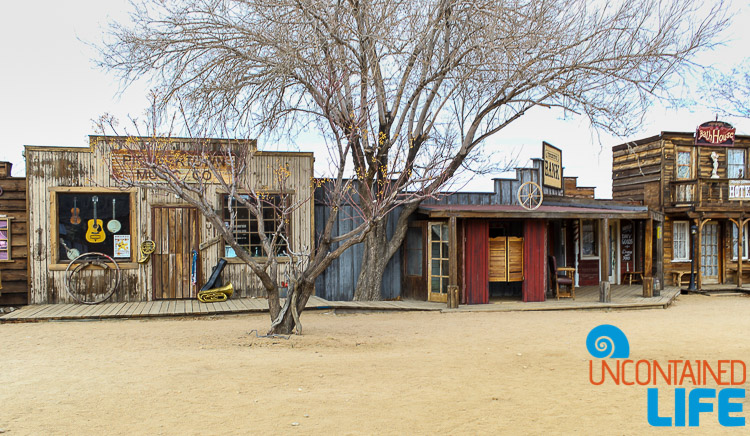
607 340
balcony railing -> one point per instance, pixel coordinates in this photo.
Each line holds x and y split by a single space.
699 192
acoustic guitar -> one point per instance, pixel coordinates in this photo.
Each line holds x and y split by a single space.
75 213
95 232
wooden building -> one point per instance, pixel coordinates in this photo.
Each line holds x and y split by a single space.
699 181
487 245
13 239
71 188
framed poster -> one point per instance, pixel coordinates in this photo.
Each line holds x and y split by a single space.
122 245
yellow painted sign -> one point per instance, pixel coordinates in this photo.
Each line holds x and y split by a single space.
552 166
185 165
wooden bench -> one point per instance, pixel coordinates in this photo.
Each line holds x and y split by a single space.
677 277
630 276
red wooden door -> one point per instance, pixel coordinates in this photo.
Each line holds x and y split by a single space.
176 235
477 262
534 260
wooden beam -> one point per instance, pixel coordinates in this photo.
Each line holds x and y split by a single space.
604 254
648 256
453 294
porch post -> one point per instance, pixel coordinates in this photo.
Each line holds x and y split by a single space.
605 294
739 251
453 296
697 254
659 258
648 255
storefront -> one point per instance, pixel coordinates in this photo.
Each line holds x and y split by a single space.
75 208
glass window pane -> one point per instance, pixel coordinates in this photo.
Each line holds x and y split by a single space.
435 267
444 287
435 230
446 268
414 238
435 284
414 262
436 250
444 229
445 250
3 255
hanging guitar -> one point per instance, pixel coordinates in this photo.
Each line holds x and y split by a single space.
95 232
72 253
113 225
75 213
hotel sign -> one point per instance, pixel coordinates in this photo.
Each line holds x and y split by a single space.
739 189
552 166
715 133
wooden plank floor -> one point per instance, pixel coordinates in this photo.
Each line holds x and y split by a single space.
587 297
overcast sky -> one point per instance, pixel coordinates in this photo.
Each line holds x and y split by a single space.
50 92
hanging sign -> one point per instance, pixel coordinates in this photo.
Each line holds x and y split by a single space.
552 157
739 189
716 133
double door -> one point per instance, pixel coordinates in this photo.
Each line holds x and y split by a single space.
710 253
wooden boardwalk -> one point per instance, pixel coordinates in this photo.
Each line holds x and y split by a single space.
587 298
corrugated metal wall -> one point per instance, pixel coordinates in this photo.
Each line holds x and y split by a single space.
338 282
477 262
534 260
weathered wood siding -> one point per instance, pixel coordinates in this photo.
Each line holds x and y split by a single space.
633 166
53 167
15 272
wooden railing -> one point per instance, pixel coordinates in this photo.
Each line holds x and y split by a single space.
699 192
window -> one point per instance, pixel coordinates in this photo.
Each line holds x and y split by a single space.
93 222
683 165
414 251
589 238
736 164
735 236
684 171
5 238
680 241
245 229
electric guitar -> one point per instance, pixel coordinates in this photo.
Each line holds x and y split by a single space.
95 232
75 213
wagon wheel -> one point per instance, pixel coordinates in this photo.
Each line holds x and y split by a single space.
530 196
82 262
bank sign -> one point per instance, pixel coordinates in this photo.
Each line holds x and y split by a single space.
552 166
739 190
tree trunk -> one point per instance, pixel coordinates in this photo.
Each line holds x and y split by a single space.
374 261
286 323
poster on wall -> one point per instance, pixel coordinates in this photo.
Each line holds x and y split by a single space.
626 244
552 166
122 245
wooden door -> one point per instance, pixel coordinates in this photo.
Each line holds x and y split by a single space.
506 259
176 233
438 262
710 253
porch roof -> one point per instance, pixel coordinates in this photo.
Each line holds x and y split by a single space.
542 212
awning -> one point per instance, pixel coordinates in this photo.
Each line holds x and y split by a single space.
542 212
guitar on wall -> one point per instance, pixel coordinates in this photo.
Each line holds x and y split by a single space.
95 232
113 225
75 213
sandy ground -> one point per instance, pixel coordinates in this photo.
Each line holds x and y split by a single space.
362 373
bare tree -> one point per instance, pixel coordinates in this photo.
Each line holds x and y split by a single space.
414 87
730 91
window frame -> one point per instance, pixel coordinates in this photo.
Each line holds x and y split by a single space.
8 238
55 262
733 241
596 239
689 165
743 165
223 198
687 253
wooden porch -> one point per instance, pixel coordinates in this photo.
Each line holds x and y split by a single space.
587 298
